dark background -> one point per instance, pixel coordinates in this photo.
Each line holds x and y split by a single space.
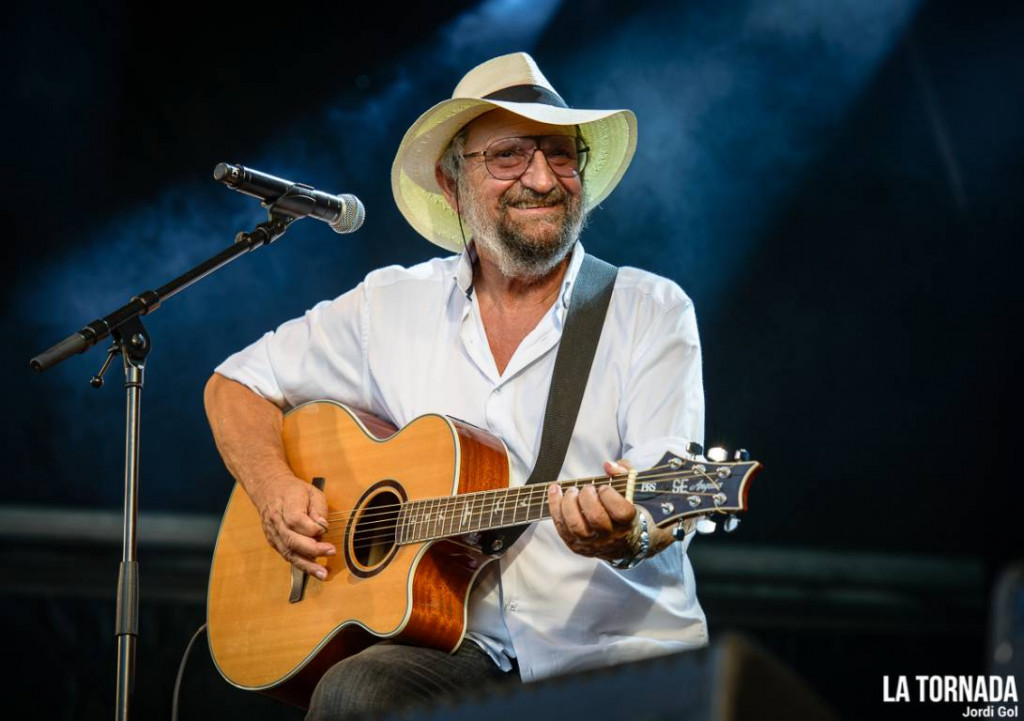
838 186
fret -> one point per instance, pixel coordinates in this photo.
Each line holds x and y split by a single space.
522 507
398 524
497 508
458 508
424 520
465 514
508 507
432 519
442 517
422 517
479 521
453 517
410 518
470 525
452 513
417 521
539 507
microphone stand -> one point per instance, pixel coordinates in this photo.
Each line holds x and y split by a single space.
132 343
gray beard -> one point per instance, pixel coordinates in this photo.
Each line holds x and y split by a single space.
517 254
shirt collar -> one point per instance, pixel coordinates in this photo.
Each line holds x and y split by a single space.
463 274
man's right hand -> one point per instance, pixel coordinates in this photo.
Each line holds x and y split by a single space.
293 514
247 429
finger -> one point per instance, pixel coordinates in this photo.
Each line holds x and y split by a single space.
306 547
555 507
318 506
616 506
300 521
305 565
573 516
304 538
594 511
613 468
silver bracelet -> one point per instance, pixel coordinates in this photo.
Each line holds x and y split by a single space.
640 546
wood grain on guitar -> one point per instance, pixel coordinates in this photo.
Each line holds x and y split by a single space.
405 510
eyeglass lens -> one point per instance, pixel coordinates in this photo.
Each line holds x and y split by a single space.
508 158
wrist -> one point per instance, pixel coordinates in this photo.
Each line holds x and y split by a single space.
639 543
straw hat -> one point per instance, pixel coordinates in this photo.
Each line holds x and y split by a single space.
515 83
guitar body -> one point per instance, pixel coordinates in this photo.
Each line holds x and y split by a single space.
276 631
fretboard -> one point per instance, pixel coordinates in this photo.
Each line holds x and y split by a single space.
432 519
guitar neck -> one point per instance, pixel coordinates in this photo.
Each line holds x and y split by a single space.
433 519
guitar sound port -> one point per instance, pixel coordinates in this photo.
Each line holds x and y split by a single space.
370 539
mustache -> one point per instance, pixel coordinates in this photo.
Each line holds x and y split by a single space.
527 196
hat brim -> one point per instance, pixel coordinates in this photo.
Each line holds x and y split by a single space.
611 135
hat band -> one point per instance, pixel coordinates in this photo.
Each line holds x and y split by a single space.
528 94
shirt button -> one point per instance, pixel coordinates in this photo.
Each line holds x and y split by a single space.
497 390
512 606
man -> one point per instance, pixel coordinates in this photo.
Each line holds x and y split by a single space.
506 165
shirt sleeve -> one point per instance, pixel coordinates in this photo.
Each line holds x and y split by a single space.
663 401
319 355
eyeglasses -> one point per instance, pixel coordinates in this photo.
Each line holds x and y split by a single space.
508 158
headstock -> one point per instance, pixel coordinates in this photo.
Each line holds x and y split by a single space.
679 488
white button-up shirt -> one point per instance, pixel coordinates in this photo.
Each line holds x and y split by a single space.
409 341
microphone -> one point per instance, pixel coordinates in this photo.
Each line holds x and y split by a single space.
344 213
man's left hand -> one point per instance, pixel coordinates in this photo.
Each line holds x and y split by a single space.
597 520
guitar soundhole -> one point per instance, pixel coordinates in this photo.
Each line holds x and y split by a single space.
370 538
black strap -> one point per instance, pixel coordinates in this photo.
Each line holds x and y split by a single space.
591 294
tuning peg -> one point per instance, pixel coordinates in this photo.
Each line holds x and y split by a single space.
694 449
718 454
731 523
706 525
741 454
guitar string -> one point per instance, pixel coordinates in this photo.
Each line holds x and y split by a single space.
459 516
541 489
390 524
654 473
390 519
368 542
388 533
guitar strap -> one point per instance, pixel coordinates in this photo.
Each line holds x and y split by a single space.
591 294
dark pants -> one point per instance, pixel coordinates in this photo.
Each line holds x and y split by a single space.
390 677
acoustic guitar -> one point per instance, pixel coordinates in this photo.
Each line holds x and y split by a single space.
406 512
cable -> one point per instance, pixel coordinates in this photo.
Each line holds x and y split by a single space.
181 672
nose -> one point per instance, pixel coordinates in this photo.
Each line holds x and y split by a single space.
539 176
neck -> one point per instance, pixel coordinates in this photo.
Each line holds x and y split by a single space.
516 291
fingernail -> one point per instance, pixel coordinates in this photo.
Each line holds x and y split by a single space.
321 574
322 521
330 552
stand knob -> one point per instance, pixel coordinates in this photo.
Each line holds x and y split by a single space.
97 380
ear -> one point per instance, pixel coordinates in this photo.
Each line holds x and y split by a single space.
448 187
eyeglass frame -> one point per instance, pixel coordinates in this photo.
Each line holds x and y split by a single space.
581 150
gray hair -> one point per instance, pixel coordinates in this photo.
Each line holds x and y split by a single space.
451 160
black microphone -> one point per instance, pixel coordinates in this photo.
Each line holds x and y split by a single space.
344 213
